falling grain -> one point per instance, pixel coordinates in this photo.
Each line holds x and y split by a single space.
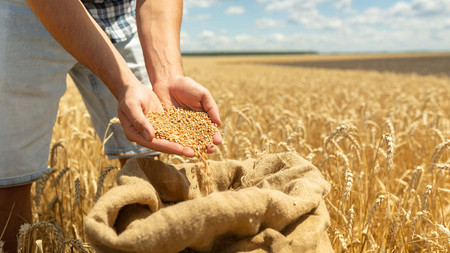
190 129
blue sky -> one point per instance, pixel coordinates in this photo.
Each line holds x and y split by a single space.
326 26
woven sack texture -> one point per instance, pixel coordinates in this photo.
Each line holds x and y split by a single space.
270 204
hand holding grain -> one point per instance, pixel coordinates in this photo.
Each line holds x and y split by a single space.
134 102
191 129
184 92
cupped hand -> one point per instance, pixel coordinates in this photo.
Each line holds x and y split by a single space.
135 101
185 92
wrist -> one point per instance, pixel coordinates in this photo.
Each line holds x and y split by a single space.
163 72
123 85
165 80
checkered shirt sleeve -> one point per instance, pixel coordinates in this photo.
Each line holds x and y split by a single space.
116 17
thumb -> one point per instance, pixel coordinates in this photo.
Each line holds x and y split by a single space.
135 115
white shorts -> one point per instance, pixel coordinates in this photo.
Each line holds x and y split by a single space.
33 70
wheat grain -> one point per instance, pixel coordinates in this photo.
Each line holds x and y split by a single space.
390 126
190 129
415 178
341 240
341 129
437 153
40 187
100 181
53 152
302 107
60 175
350 221
23 239
389 139
348 184
80 246
442 166
77 192
375 205
425 196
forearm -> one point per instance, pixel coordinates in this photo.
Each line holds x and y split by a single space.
159 25
72 26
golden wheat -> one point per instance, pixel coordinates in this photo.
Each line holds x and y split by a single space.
380 139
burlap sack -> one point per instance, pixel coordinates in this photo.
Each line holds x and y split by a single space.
271 204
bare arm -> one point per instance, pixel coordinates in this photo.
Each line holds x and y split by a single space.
159 25
72 26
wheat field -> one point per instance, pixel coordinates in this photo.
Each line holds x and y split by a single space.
381 139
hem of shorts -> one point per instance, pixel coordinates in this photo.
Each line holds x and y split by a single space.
24 179
119 154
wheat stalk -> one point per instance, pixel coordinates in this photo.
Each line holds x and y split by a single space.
40 187
374 207
389 139
425 196
348 184
100 180
77 192
334 119
437 153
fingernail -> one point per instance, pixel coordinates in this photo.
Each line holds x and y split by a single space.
190 153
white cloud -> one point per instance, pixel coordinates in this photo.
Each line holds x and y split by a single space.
315 20
207 34
242 38
403 15
208 40
198 3
203 17
235 10
429 8
264 23
279 37
293 5
369 39
344 5
394 28
306 13
400 9
223 31
188 4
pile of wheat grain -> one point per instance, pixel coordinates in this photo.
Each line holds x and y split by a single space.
380 139
190 129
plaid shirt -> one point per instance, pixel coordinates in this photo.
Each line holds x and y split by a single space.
116 17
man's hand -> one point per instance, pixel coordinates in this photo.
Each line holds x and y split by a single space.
135 101
73 27
184 92
159 25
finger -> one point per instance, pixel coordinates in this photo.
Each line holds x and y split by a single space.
130 130
161 145
171 147
135 115
211 149
217 138
210 107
